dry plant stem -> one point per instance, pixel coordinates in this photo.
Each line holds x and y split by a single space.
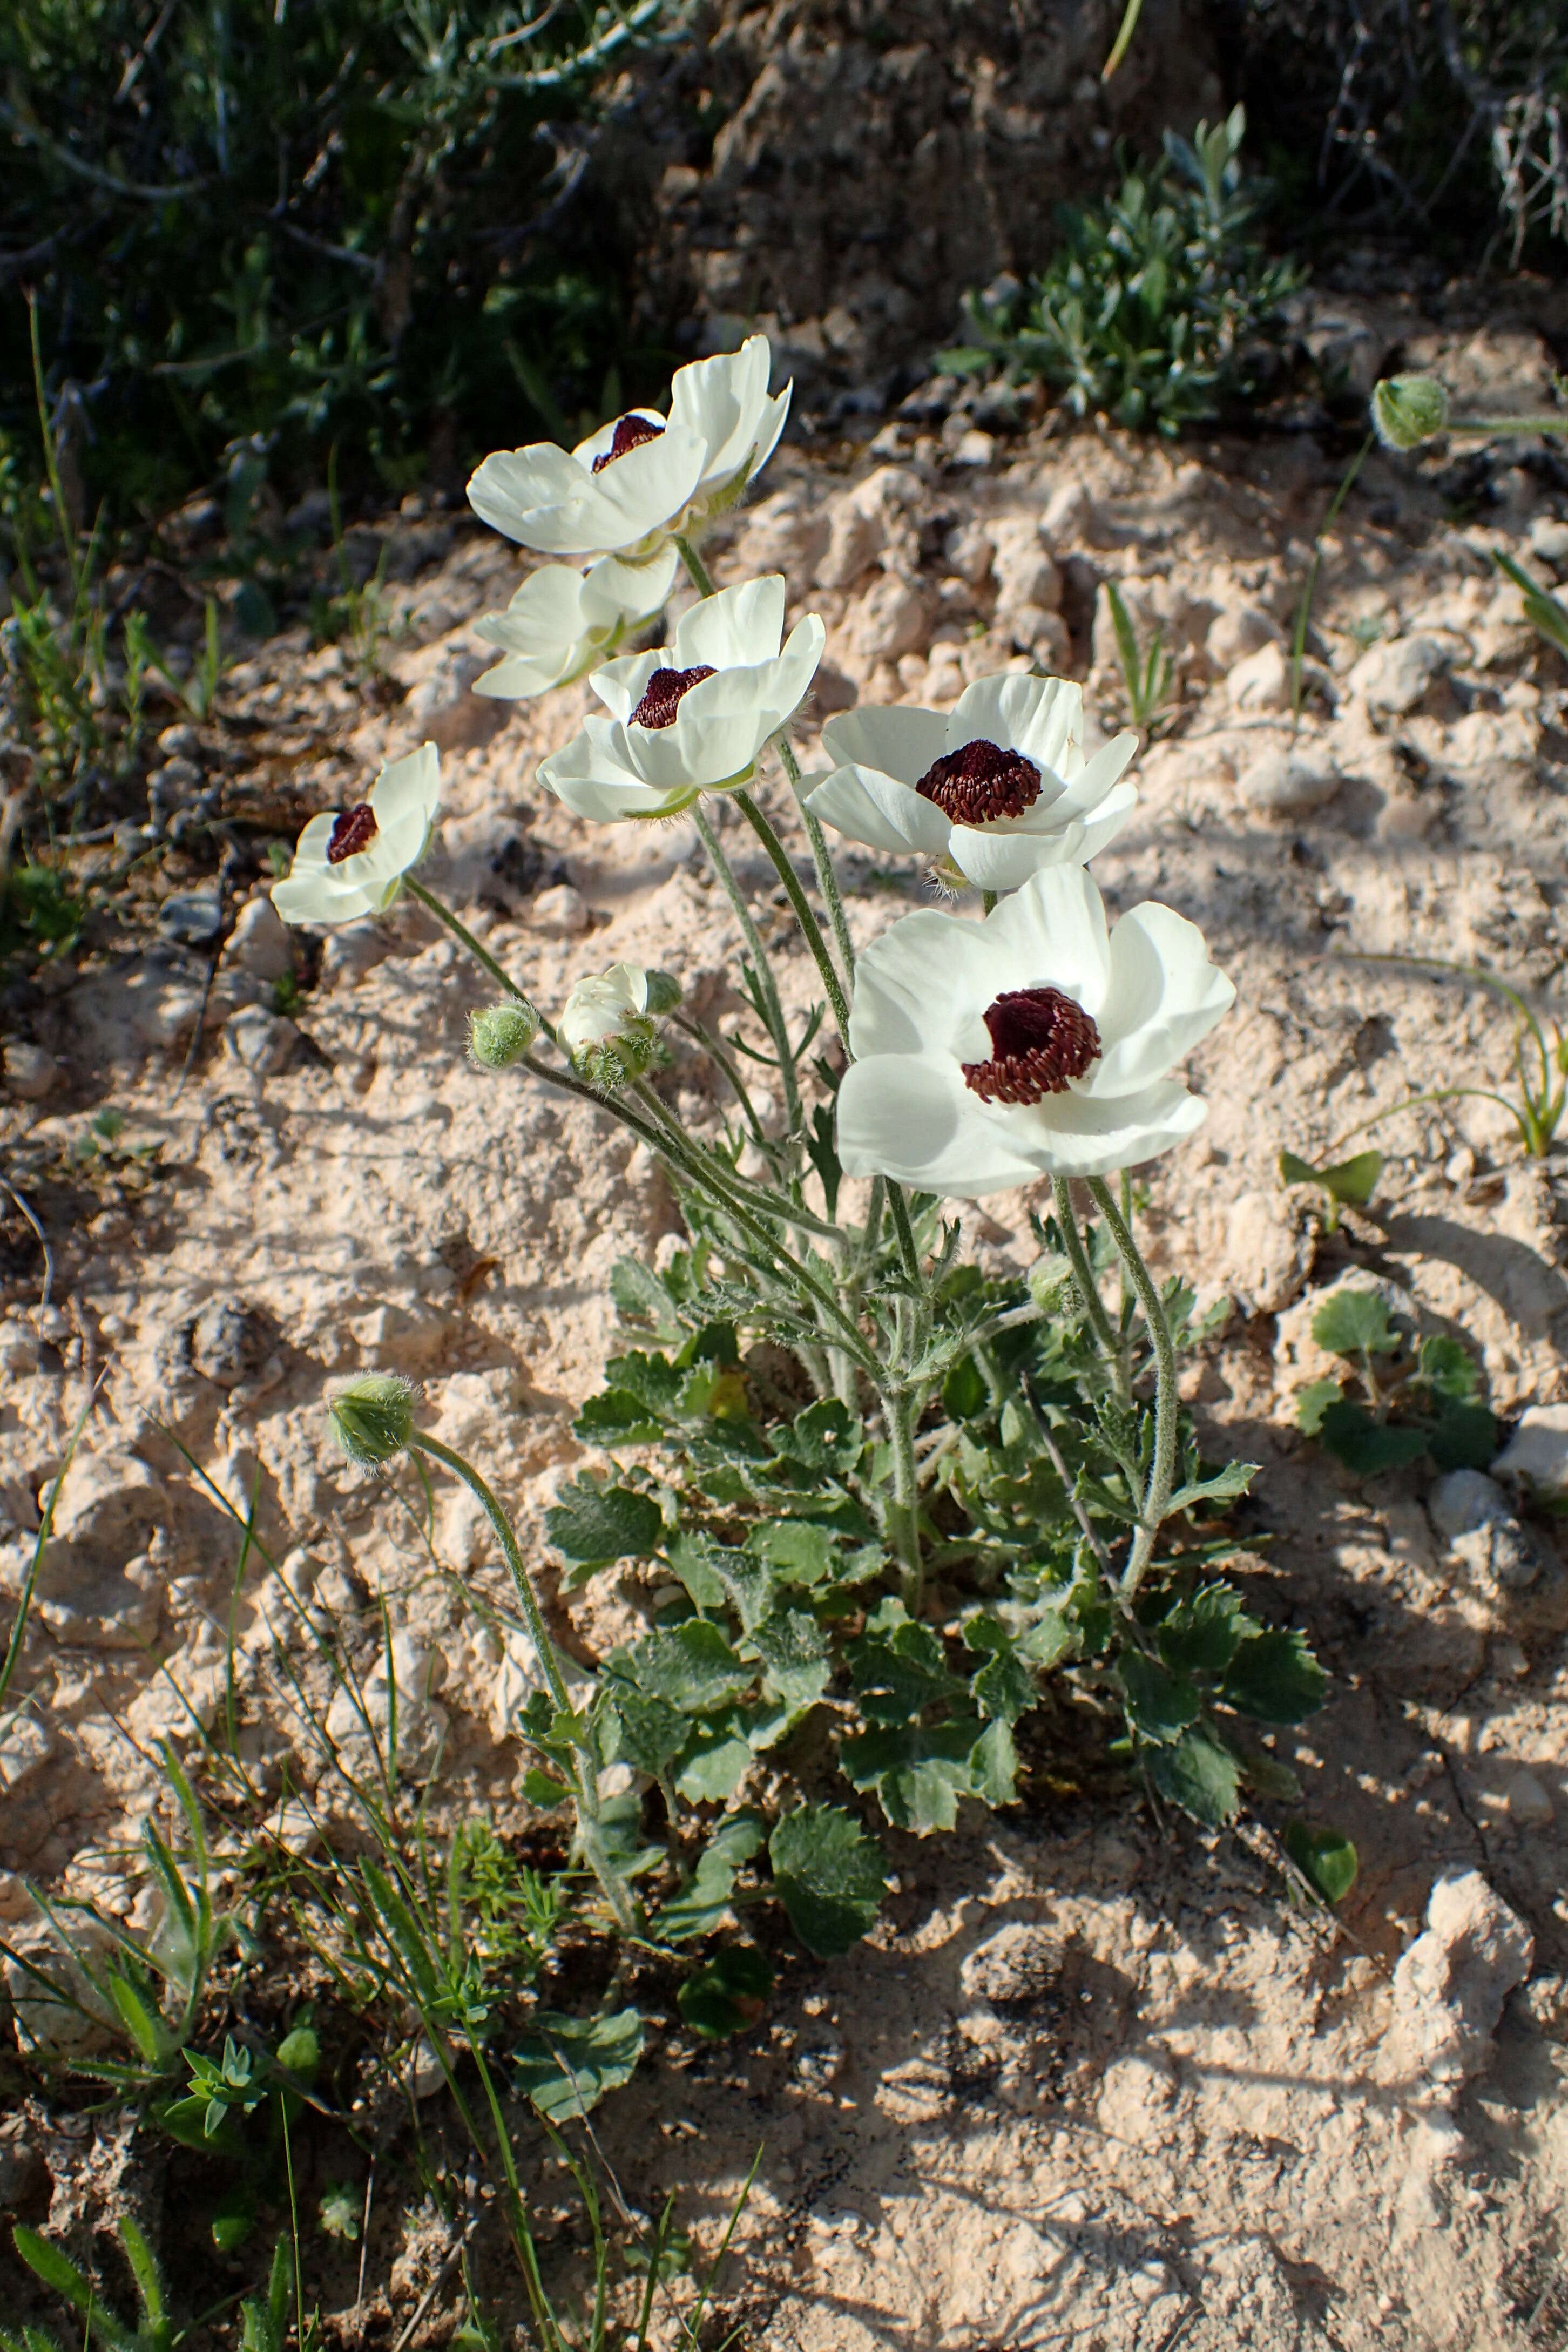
1104 1330
1163 1470
587 1782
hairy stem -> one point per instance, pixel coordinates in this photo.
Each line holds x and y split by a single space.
822 858
1162 1471
1072 1241
811 930
778 1028
697 571
904 1512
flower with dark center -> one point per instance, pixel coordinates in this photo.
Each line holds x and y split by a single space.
980 782
991 791
1040 1039
353 862
355 830
658 743
630 433
629 485
661 696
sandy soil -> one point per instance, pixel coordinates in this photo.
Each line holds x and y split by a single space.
1094 2082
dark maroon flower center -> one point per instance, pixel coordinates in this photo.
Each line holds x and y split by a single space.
1040 1039
630 433
661 696
980 782
355 831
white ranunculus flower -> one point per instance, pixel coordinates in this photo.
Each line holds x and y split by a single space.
692 716
561 621
352 863
633 482
605 1028
993 790
1034 1043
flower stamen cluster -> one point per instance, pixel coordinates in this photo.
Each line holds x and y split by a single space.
355 830
980 782
661 696
1040 1041
630 433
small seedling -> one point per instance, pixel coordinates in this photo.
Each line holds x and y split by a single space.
1347 1184
1147 676
1325 1858
1540 1067
155 2329
1404 1400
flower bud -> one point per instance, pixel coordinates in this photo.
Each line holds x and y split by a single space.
501 1035
1408 409
1051 1283
375 1417
664 994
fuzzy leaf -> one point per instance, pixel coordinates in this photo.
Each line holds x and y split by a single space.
1367 1447
690 1666
1465 1438
1449 1368
702 1902
1159 1704
919 1772
800 1549
728 1995
895 1678
566 2065
1222 1487
1325 1857
1275 1678
715 1759
829 1876
1352 1321
1202 1635
1198 1776
591 1526
1313 1403
964 1391
826 1436
795 1650
641 1298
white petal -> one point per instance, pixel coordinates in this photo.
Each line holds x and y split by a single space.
593 779
737 628
797 665
621 684
1096 777
513 486
843 801
1077 1134
903 742
1164 994
1034 715
614 590
923 986
1052 933
644 491
910 1116
1002 857
723 399
409 787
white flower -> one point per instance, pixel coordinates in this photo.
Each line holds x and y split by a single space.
602 1007
1034 1043
995 790
352 863
561 621
629 485
692 716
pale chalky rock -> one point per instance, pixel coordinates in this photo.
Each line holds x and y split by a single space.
1268 1255
1530 1805
1548 539
1472 1512
1237 632
1070 517
417 1670
261 1042
1450 1986
1395 676
1025 573
1536 1455
28 1071
891 619
560 912
1016 1966
260 944
192 918
1278 785
352 951
857 534
442 708
1261 682
969 550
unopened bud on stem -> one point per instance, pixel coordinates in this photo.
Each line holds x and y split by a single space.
501 1035
1407 410
375 1418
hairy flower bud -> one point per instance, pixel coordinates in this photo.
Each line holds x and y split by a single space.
501 1035
605 1024
375 1418
664 994
1051 1283
1407 410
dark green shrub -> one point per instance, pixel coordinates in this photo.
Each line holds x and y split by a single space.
258 225
1156 309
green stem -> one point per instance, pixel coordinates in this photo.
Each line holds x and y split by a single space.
822 858
1083 1274
460 931
905 1512
899 1209
1309 584
988 902
811 930
701 577
1162 1471
778 1028
1495 427
549 1665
